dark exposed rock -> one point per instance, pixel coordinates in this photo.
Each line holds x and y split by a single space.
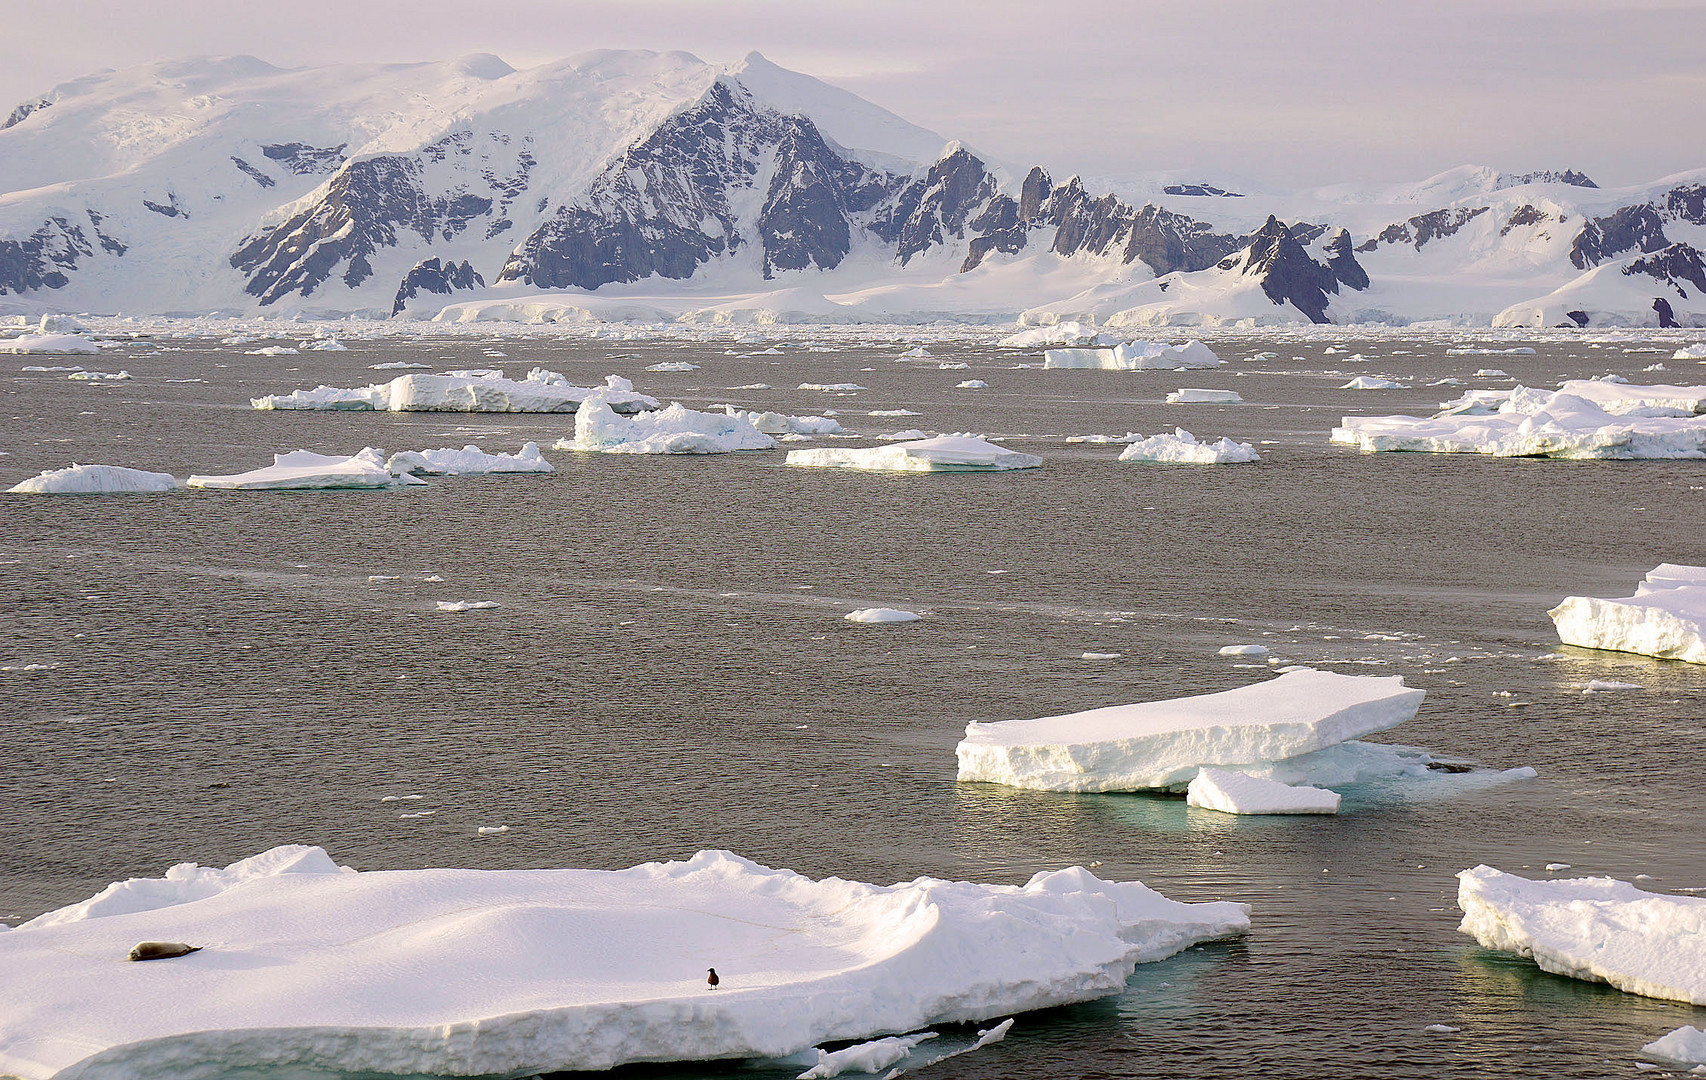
1526 214
1667 317
1433 225
24 111
806 217
253 173
1200 189
432 276
1672 265
1342 262
1307 233
305 160
1578 318
1286 272
1166 242
1622 230
1085 223
42 259
1548 176
1033 193
998 228
935 207
365 206
1687 204
1370 244
169 208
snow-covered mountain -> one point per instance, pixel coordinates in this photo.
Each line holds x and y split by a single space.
642 185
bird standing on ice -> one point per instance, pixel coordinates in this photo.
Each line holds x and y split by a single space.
711 979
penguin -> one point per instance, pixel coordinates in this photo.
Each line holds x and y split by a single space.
711 979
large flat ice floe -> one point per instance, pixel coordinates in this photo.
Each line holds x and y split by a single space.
1583 419
945 453
488 391
304 469
31 344
95 480
675 430
1162 744
1599 929
1182 448
307 967
1665 618
1135 356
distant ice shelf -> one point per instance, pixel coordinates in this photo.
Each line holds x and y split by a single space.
309 968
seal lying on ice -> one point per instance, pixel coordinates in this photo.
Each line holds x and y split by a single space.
161 950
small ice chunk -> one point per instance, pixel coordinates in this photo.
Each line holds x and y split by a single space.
1195 394
947 453
469 461
492 830
831 386
1595 928
866 1057
1240 793
1441 1029
892 412
48 343
675 430
917 352
395 365
272 350
909 435
1243 650
882 615
972 384
673 365
466 605
1371 382
95 480
98 376
1182 448
325 345
1491 373
1684 1046
1100 656
1596 686
1135 356
1690 352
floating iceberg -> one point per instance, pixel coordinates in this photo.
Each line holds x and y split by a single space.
95 480
774 423
1182 447
946 453
1243 650
1193 394
467 605
303 469
1665 618
1241 793
1569 423
1162 744
1373 382
47 343
1684 1046
272 350
1690 352
1135 356
843 386
98 376
1065 333
1599 929
673 365
306 968
469 461
675 430
882 615
972 384
465 391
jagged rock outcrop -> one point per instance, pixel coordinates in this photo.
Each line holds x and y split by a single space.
1430 226
806 219
1622 230
433 276
1673 266
1342 262
1204 190
24 111
1289 276
42 259
305 160
1547 176
935 207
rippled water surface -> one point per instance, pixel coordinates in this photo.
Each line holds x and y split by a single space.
211 674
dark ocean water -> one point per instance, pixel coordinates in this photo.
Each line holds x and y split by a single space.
670 671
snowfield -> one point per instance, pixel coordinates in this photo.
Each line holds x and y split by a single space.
306 966
1162 744
1598 929
1665 618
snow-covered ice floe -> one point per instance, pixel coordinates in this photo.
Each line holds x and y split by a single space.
31 344
1182 448
1665 618
1373 382
882 615
1597 928
1684 1046
98 376
946 453
675 430
95 480
468 391
775 423
1240 793
1586 418
1690 352
469 461
1135 356
1193 394
1162 744
303 469
306 967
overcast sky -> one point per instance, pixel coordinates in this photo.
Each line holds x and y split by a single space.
1258 92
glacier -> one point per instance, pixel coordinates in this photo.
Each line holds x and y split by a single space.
1161 745
1596 928
308 966
1665 618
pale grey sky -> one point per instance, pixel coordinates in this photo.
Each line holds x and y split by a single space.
1282 94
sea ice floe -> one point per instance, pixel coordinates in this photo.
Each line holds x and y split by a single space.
469 461
846 386
1191 394
95 480
947 453
775 423
48 343
1063 333
1162 744
675 430
1684 1046
467 605
98 376
1135 356
673 365
1244 650
882 615
865 1057
1240 793
1597 928
1585 419
1371 382
309 969
303 469
1690 352
1665 618
396 365
1182 448
972 384
272 350
465 391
